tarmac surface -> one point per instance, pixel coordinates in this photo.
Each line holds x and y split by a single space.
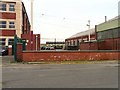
18 75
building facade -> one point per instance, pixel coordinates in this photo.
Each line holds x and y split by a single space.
14 21
106 36
73 43
11 20
109 33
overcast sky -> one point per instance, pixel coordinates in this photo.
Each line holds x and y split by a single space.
61 19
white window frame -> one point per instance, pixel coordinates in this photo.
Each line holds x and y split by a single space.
12 7
11 24
2 41
1 24
2 8
10 41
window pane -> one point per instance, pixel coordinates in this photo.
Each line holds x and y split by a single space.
2 22
11 41
2 41
11 7
11 26
2 26
2 7
11 22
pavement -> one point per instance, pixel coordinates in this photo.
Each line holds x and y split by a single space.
18 75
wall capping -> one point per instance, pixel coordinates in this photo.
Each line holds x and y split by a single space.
90 51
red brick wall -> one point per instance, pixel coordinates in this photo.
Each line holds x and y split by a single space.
69 55
7 15
27 37
31 37
10 51
84 46
117 44
26 23
34 42
94 46
101 45
19 52
8 32
89 46
108 44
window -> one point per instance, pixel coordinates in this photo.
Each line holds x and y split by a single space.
2 41
73 43
2 7
68 43
11 41
2 24
78 43
11 24
11 7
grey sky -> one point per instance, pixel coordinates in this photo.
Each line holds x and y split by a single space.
62 18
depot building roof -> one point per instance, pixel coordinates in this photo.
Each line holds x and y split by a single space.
83 33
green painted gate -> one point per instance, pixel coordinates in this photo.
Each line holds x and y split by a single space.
18 40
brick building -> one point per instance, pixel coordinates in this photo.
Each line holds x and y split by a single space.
105 36
109 34
73 42
14 21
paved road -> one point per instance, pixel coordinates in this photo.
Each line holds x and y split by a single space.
59 75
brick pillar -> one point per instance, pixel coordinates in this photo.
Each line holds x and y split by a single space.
10 50
19 52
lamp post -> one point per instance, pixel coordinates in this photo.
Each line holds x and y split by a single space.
32 15
88 29
31 24
36 42
55 43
